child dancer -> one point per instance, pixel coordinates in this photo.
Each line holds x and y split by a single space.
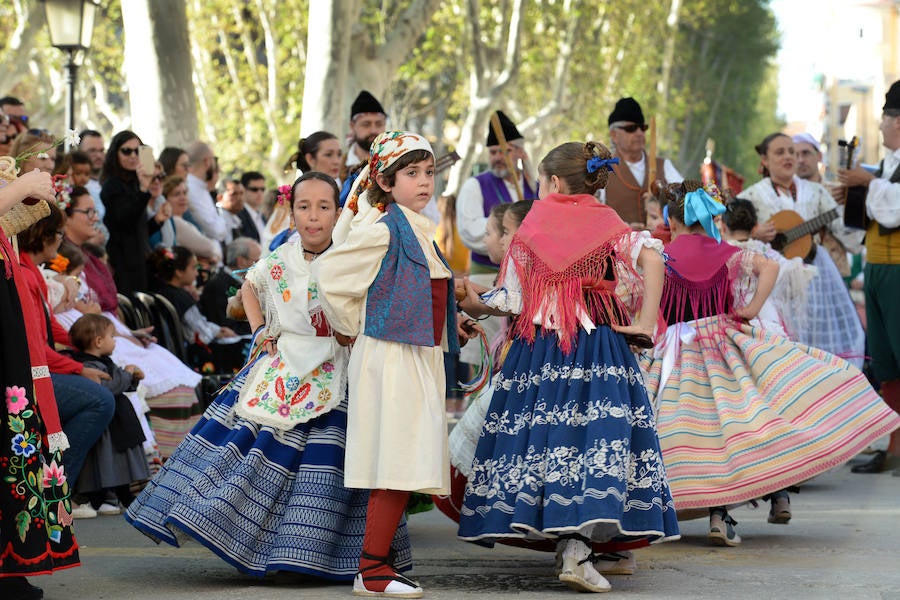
389 285
117 459
743 414
260 479
783 312
568 451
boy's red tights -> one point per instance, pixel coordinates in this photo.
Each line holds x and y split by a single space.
382 519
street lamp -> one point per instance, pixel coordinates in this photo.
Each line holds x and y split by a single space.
71 24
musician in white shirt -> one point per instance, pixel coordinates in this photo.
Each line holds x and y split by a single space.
882 271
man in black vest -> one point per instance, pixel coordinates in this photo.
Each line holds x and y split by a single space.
882 274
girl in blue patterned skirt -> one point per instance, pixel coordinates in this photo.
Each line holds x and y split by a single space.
260 479
569 450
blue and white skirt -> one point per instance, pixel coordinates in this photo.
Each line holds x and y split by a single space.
832 323
569 446
262 499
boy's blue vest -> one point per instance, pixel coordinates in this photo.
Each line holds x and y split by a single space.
399 308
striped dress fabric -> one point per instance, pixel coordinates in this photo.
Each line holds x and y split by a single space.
172 415
262 499
745 413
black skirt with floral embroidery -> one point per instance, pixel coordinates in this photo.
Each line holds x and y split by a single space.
35 510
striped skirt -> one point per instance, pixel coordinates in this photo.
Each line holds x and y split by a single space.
172 415
742 413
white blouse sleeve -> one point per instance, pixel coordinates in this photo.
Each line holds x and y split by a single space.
346 272
507 296
883 202
629 246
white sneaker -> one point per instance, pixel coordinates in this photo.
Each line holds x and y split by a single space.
615 563
577 571
83 511
108 508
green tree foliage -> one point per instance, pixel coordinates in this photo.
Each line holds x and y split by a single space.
576 58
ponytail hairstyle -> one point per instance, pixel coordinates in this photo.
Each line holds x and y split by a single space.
740 215
570 163
763 147
307 145
165 261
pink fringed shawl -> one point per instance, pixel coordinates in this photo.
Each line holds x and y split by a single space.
699 274
564 254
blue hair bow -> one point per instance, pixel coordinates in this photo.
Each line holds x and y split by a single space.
699 207
596 163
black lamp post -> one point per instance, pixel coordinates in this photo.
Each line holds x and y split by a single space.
71 24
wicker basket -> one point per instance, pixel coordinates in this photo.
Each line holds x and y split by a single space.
21 216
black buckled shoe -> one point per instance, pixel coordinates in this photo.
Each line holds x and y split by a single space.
873 465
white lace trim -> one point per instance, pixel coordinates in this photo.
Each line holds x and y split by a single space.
57 442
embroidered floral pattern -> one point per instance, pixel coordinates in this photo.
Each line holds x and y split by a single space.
41 486
15 399
550 372
289 396
564 445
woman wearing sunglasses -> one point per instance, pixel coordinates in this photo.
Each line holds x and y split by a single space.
125 193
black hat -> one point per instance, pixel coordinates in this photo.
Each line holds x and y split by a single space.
366 103
509 130
892 98
627 109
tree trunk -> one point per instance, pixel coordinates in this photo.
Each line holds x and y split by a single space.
161 90
327 66
487 83
344 58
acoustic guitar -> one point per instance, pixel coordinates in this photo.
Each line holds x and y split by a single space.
794 234
855 203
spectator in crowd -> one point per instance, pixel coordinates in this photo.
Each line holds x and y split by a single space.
125 193
230 207
201 169
253 218
174 161
240 255
85 406
39 149
177 230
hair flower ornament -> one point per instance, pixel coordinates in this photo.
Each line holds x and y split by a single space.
59 263
284 194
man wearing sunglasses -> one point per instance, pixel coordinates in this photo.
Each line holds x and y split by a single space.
254 193
626 190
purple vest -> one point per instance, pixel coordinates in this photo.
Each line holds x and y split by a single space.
494 192
398 307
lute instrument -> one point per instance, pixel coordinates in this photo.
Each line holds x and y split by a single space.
793 236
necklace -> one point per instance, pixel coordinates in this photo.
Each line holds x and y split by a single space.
316 255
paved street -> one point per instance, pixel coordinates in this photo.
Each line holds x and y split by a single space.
844 542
